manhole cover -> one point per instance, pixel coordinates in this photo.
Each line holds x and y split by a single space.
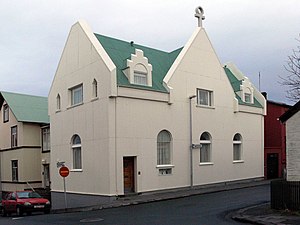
90 220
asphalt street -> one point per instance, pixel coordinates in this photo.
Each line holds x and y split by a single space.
212 208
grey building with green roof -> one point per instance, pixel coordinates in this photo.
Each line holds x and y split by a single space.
126 118
24 142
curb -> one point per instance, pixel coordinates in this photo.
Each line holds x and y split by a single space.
161 196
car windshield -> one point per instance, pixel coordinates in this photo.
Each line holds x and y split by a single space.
28 195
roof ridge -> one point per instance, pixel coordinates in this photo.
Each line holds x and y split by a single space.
136 45
22 94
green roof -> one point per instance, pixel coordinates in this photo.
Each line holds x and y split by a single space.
235 83
119 51
27 108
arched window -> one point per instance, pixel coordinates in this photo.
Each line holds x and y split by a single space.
58 103
237 147
76 150
95 88
205 149
164 148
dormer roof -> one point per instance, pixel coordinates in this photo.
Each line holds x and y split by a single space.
119 51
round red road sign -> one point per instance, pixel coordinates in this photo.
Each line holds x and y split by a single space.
64 171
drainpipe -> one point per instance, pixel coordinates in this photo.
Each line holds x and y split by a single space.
191 141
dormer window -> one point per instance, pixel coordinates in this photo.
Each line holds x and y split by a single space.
138 70
246 91
247 98
140 78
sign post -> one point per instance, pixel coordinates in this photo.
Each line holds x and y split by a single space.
64 172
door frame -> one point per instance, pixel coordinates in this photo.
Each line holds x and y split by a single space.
132 159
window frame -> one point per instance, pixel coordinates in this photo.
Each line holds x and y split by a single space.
5 113
95 89
76 154
142 76
46 145
14 171
239 143
14 136
58 102
248 98
208 98
73 92
164 147
208 144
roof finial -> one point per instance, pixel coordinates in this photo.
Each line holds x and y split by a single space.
199 15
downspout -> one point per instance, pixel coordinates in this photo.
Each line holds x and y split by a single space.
191 142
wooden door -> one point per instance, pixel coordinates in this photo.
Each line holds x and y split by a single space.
128 173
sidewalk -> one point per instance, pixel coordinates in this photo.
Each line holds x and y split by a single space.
166 195
263 214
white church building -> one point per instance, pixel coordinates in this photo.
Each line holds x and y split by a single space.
126 118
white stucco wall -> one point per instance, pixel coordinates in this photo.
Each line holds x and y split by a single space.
127 122
293 147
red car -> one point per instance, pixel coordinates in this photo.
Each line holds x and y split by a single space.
24 202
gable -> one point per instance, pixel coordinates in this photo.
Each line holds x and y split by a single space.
119 51
27 108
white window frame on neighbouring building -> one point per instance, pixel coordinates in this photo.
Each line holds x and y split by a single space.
14 170
14 136
45 139
76 95
5 113
76 152
237 148
204 97
205 148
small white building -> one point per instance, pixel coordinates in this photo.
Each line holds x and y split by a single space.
292 120
128 118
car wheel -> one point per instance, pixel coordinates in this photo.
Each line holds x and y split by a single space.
4 212
28 213
19 211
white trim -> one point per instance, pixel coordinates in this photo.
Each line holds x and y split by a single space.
166 166
206 164
238 161
76 170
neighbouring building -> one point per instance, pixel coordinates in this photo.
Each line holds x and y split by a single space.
24 142
275 135
292 120
126 118
285 192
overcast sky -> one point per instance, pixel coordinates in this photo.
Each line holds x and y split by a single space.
257 35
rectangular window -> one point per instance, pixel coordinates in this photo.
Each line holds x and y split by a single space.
77 158
205 153
5 113
237 155
140 78
248 98
14 170
204 97
76 95
14 136
46 139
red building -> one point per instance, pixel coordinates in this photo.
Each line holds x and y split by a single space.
275 134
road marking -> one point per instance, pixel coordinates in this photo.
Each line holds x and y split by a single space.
90 220
17 218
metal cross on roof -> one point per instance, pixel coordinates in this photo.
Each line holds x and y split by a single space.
199 14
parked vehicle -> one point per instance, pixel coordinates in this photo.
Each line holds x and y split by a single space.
24 202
